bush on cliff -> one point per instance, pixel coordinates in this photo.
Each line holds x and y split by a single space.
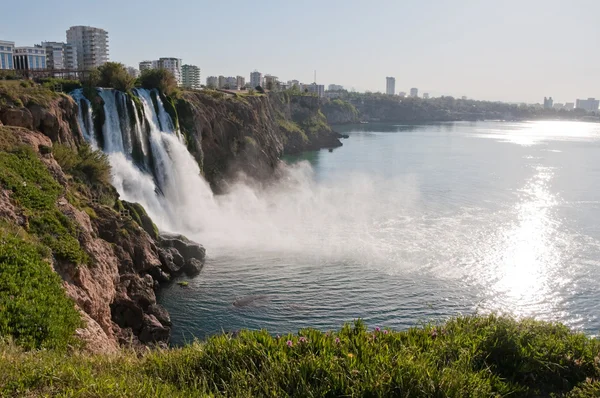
114 75
466 357
160 79
88 165
34 309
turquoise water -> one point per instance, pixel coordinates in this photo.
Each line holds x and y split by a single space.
411 224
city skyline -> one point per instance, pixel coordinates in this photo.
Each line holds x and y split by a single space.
483 51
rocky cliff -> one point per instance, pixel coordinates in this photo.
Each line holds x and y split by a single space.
338 111
249 133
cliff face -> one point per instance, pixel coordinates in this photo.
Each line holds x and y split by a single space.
340 112
228 134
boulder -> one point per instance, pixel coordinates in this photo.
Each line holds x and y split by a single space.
18 117
153 331
160 313
193 266
184 246
127 314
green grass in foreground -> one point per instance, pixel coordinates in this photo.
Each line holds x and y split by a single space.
466 357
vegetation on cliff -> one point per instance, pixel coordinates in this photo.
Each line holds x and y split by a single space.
472 356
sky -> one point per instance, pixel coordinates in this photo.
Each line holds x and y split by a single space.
509 50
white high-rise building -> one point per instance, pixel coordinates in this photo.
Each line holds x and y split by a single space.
335 87
256 79
190 77
390 85
60 55
231 83
241 81
91 45
315 88
414 92
6 54
173 65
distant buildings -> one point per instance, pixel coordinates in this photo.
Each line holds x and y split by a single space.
91 45
569 106
145 65
558 106
464 98
335 87
256 79
425 95
173 65
133 72
221 82
60 55
590 104
414 92
212 82
293 83
548 102
271 82
314 88
241 81
29 58
401 94
390 85
190 77
6 54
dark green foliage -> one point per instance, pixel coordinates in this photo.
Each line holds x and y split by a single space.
467 357
59 233
160 79
139 215
34 309
114 75
86 164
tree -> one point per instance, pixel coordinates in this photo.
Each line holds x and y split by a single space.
160 79
260 89
115 75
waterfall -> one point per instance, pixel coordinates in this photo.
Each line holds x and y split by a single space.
111 131
84 117
172 191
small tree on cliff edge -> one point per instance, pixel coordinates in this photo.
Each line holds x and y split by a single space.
114 74
161 79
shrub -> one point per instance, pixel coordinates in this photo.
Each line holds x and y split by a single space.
34 309
115 75
88 165
160 79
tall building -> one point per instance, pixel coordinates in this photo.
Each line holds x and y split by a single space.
401 94
231 83
222 81
145 65
173 65
390 85
190 77
570 106
60 55
212 82
91 45
241 81
256 79
271 82
414 92
590 104
29 58
335 87
6 54
425 95
548 103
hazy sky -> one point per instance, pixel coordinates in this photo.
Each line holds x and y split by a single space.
510 50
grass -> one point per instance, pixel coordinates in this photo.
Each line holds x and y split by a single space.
34 308
24 93
471 356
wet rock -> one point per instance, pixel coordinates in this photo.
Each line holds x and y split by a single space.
153 331
127 314
160 313
186 248
193 266
159 275
140 290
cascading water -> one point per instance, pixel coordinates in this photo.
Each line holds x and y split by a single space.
111 131
84 117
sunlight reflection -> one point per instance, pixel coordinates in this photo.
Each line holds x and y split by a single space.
533 133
